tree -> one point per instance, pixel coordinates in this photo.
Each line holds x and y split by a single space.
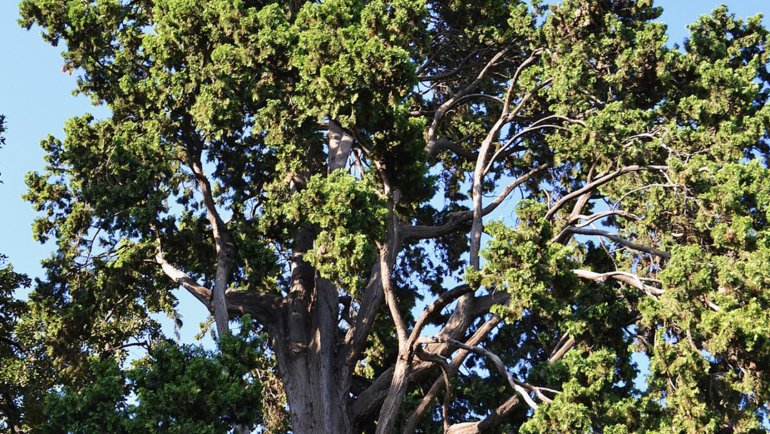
10 349
333 170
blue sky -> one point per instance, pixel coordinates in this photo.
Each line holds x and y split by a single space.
36 97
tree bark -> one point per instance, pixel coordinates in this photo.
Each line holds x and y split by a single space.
305 339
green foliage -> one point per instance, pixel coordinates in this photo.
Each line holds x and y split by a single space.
523 262
17 383
350 217
591 397
174 389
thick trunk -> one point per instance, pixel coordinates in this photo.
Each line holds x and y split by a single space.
305 350
315 401
305 339
305 356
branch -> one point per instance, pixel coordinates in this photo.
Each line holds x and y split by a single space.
400 379
620 276
422 355
574 217
498 416
441 302
265 308
494 419
457 219
225 249
371 399
619 240
390 298
14 343
514 138
432 147
597 183
355 338
419 412
600 215
262 306
564 345
479 171
200 292
645 187
472 96
496 361
388 252
454 146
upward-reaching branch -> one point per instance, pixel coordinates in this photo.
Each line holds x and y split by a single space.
481 160
225 249
433 147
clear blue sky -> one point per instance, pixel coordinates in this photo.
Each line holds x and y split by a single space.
36 97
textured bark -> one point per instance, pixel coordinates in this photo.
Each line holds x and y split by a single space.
304 340
340 145
225 251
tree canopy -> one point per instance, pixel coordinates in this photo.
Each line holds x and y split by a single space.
404 216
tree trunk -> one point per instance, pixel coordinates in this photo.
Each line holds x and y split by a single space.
305 341
305 356
315 402
305 337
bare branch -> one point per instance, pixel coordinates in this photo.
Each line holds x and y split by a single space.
200 292
456 220
468 309
513 139
496 361
478 174
390 298
473 96
454 366
564 345
432 147
400 379
443 300
355 338
620 276
645 187
574 217
456 147
619 240
600 215
422 355
225 249
494 419
263 306
597 183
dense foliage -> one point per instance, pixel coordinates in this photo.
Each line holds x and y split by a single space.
442 216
